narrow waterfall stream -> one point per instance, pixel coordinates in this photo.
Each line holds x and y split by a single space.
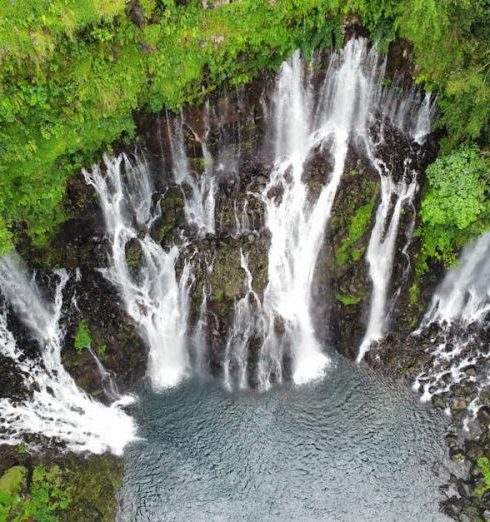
200 206
154 298
54 407
456 321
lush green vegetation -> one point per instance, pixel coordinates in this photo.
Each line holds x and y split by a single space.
41 501
484 464
73 488
348 300
82 337
72 74
456 206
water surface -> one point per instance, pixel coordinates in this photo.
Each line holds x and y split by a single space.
350 447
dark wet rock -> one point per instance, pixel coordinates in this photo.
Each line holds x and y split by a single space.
416 355
400 62
114 338
136 13
12 381
342 273
456 454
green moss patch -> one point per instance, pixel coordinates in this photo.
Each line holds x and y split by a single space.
357 227
82 337
483 464
348 300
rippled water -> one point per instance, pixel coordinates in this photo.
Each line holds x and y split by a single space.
350 447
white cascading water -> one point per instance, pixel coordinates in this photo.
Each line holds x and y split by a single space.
409 112
460 307
198 340
154 297
464 294
55 408
200 205
241 220
109 386
350 100
297 226
381 253
247 313
413 115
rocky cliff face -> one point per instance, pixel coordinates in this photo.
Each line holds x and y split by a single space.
231 129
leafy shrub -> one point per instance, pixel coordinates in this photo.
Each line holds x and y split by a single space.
47 495
42 502
456 203
347 300
11 483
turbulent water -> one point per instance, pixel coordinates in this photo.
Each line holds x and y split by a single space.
347 448
55 408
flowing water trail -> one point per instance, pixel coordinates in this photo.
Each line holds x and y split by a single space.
381 253
247 313
200 204
199 342
412 114
55 407
306 120
459 314
109 386
154 297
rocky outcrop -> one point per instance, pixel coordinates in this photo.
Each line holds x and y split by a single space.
59 486
456 383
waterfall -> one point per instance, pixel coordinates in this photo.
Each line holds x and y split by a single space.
200 205
309 113
459 309
154 296
247 313
464 294
342 113
55 407
381 253
242 221
412 114
199 337
109 386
